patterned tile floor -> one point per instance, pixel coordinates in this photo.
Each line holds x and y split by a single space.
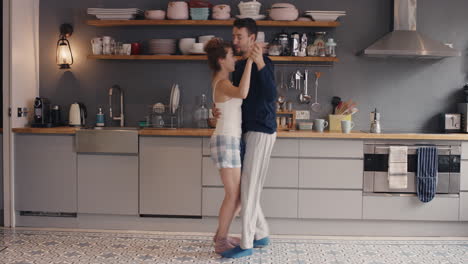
36 246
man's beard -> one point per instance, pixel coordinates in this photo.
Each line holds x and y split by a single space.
238 51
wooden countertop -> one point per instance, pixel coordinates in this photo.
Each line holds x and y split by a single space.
312 134
194 132
52 130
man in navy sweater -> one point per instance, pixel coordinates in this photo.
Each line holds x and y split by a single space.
259 135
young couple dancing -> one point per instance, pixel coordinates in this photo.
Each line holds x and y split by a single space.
244 136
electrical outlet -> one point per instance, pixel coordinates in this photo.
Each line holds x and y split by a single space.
302 115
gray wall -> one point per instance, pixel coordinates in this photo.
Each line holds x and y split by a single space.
409 93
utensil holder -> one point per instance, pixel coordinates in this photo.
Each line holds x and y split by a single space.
335 121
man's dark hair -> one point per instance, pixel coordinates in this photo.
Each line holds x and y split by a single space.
247 23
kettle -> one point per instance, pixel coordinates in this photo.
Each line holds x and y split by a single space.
77 115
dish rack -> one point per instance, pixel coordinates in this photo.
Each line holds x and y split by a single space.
164 119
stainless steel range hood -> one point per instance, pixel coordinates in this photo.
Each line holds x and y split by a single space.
405 41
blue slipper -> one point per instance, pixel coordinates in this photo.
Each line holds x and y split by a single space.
237 252
261 242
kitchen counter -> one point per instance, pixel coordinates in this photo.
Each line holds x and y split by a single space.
194 132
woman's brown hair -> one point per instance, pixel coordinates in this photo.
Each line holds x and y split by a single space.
216 49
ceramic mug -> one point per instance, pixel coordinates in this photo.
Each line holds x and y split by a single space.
320 124
347 126
97 49
127 49
135 48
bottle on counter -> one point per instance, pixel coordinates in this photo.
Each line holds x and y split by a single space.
295 44
202 114
100 122
303 46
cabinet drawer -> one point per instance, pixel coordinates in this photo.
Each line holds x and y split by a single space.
282 173
211 201
206 146
410 208
330 204
275 202
331 148
210 176
330 173
464 150
279 203
285 148
282 148
464 206
464 175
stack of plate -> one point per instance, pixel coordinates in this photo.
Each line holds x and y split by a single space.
175 97
325 16
162 46
199 13
115 13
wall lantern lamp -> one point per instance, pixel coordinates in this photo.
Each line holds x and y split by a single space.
64 56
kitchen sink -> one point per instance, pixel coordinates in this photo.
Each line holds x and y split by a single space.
112 128
113 140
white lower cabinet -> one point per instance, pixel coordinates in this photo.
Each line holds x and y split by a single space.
330 204
170 176
279 203
464 175
410 208
108 184
464 206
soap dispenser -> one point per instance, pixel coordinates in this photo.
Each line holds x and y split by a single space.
100 118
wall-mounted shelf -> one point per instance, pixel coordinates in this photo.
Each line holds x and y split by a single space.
202 57
261 23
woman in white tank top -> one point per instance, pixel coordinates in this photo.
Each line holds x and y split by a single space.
225 141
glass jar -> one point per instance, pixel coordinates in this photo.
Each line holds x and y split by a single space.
283 40
331 48
319 44
275 48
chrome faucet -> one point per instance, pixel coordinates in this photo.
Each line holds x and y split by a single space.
121 117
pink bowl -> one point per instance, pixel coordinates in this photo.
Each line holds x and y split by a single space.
177 10
155 14
221 16
221 8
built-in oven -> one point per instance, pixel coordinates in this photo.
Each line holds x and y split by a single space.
376 167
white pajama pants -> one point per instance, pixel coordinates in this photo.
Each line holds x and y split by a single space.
258 147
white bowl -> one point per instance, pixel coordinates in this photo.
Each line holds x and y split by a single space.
284 14
204 39
186 44
325 17
155 14
251 4
198 48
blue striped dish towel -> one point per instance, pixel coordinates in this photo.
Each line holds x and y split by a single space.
426 177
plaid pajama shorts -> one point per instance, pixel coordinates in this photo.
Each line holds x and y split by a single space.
225 151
